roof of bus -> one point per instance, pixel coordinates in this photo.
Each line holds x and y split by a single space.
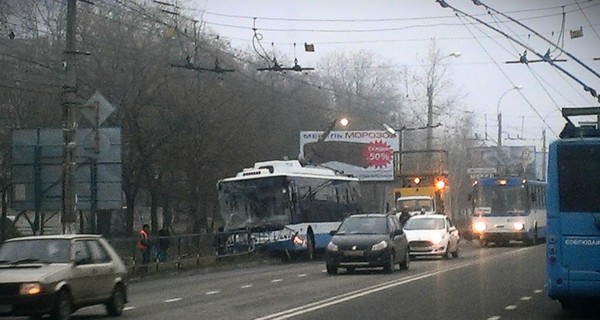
510 181
267 169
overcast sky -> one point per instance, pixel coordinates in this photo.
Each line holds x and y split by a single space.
399 31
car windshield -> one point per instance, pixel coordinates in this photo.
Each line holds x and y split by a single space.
35 250
363 225
424 224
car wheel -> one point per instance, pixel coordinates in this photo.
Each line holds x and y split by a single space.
115 305
389 268
332 269
404 265
455 253
62 307
447 254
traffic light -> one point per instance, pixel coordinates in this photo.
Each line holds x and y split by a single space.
440 183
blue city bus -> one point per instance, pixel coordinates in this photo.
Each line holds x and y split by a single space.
573 248
506 209
283 207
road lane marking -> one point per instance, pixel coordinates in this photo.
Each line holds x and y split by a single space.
493 318
537 291
246 286
212 292
128 308
375 288
511 307
173 300
302 275
525 298
276 280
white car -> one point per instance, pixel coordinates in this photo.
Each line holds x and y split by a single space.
432 235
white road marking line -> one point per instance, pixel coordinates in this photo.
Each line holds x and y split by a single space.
525 298
213 292
537 291
128 308
511 307
173 300
246 286
493 318
302 275
276 280
309 307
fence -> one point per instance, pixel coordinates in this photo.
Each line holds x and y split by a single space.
166 251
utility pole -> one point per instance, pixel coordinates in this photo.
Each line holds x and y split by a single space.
69 96
429 115
544 154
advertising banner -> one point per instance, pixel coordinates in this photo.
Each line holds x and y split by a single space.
367 155
503 161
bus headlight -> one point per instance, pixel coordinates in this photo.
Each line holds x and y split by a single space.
379 246
332 246
518 226
479 227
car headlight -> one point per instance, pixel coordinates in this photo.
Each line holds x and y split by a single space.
379 246
518 226
332 246
436 238
479 227
28 289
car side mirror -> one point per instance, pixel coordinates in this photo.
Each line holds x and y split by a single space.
332 232
398 232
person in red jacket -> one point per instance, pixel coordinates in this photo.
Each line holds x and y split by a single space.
143 244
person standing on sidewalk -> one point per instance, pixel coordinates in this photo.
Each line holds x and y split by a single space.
143 244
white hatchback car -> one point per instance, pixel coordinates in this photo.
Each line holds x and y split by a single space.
432 235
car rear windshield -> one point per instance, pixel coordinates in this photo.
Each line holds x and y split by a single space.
363 225
35 250
424 224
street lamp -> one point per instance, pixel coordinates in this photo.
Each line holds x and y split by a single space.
517 87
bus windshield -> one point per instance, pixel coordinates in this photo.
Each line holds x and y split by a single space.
414 205
500 200
257 202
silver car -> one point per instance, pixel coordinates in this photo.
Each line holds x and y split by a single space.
59 274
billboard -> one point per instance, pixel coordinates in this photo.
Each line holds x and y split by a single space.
37 157
503 161
367 155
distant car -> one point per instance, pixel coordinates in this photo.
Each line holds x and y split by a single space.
432 235
59 274
366 241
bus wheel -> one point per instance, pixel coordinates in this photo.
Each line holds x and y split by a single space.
310 246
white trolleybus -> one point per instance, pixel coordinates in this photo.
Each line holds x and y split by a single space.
507 209
283 207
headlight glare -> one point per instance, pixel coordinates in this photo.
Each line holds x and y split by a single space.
332 246
30 288
518 226
379 246
479 227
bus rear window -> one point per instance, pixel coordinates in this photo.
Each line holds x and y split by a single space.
579 178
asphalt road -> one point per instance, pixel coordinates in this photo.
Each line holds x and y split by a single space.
484 283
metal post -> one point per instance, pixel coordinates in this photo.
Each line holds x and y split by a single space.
69 95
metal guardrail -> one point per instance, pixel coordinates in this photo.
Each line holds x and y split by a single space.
180 248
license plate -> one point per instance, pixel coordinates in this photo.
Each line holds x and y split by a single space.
5 308
354 253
